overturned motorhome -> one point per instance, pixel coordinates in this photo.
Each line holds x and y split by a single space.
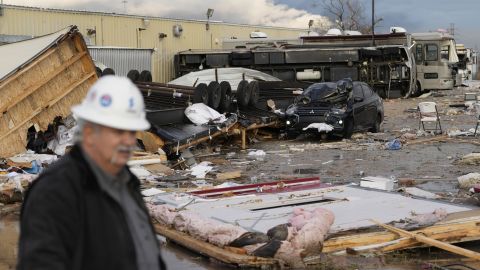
397 64
386 68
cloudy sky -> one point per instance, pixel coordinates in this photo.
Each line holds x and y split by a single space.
414 15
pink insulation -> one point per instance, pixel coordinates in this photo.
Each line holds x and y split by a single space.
429 218
162 213
206 229
310 237
290 255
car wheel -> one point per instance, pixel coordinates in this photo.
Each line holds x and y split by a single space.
376 127
348 128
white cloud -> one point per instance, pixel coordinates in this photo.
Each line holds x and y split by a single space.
258 12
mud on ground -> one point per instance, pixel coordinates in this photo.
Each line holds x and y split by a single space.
431 166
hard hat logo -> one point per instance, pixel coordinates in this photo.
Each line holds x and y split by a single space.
106 100
131 103
114 102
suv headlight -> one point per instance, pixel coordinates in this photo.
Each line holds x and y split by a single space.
337 111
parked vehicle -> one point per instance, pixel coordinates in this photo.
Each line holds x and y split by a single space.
345 106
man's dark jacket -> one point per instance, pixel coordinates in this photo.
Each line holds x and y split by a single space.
69 222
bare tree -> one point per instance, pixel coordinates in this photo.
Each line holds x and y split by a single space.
346 14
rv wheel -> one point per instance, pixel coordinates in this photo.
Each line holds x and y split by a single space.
215 95
226 96
133 75
243 93
108 71
201 94
254 92
145 76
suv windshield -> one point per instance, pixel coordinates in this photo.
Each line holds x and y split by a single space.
323 92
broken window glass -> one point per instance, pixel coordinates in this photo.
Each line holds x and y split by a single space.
445 52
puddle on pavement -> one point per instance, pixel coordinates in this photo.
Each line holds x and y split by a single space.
306 171
9 231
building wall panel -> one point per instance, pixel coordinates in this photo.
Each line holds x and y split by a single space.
133 32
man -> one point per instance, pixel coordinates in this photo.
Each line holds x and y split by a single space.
86 210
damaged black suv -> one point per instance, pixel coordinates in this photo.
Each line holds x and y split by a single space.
337 109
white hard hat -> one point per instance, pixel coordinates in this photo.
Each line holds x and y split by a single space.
114 102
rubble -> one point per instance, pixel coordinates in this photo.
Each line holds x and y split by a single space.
189 167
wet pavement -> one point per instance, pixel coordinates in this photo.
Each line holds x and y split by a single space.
432 166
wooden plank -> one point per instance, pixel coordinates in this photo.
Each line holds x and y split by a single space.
430 241
44 81
452 232
209 250
51 103
244 138
203 139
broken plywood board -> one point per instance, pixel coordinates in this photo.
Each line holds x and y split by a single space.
453 231
43 87
229 175
209 250
159 169
151 141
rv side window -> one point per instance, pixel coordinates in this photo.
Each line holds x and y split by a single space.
419 53
445 52
431 52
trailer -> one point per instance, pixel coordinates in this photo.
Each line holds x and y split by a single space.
40 79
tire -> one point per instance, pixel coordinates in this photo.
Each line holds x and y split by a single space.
214 95
108 71
382 93
243 93
418 90
133 75
348 128
201 94
226 96
377 125
98 71
254 92
145 76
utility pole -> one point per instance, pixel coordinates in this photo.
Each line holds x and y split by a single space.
124 6
452 29
373 22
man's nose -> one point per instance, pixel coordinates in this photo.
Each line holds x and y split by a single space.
129 137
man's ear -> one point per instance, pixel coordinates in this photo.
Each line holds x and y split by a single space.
88 134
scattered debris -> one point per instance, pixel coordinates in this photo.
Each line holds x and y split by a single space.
468 180
393 145
414 191
470 159
377 182
229 175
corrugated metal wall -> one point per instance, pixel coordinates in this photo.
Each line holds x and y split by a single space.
123 60
123 31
